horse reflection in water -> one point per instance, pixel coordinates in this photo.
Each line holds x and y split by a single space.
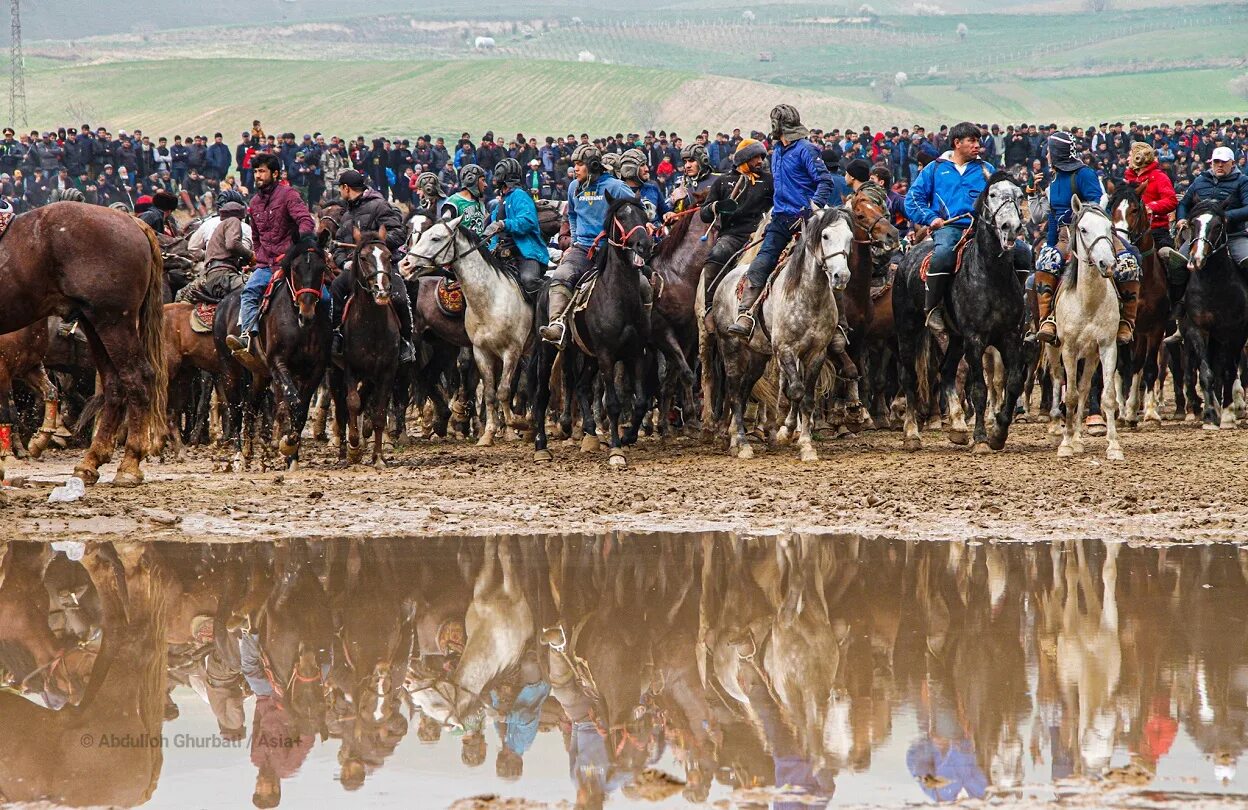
773 665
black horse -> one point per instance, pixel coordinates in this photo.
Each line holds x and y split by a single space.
613 327
370 330
294 340
1215 320
985 308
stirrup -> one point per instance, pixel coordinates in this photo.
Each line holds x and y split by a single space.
738 328
563 643
563 333
1130 327
1047 337
935 321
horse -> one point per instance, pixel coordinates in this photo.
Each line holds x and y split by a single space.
187 353
985 308
1086 312
799 321
497 317
610 328
370 355
294 344
21 358
1215 320
105 268
1140 361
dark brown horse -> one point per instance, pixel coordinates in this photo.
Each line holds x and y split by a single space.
21 358
677 266
105 268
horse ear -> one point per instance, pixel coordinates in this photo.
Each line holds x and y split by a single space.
1075 203
453 224
1110 186
322 238
381 233
355 234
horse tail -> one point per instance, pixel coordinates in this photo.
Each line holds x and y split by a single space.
90 409
152 337
923 370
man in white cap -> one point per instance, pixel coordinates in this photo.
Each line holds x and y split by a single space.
1221 182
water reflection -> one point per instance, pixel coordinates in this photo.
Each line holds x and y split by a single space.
678 668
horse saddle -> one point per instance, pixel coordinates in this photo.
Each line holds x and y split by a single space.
5 221
450 298
201 317
278 275
959 249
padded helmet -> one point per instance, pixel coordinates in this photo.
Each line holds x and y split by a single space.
696 151
783 116
469 176
631 163
230 195
508 172
590 155
429 183
68 195
611 164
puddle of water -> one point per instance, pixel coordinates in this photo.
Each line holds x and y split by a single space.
661 669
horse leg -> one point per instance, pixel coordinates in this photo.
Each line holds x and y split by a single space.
977 387
487 367
379 399
37 379
1085 377
606 371
1014 364
354 413
1202 350
541 401
108 386
1150 384
908 359
134 377
806 408
959 432
1109 398
338 394
286 394
1070 376
510 361
642 397
1228 366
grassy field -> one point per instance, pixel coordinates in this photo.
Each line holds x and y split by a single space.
409 98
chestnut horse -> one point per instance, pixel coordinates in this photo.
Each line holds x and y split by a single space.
21 358
187 352
105 268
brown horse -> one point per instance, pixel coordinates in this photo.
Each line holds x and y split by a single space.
186 352
677 266
21 358
1139 366
104 267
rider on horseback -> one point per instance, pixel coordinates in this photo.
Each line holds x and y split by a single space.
695 180
226 254
278 217
586 214
1072 177
634 170
158 215
367 211
519 235
1222 182
801 181
431 193
736 203
466 202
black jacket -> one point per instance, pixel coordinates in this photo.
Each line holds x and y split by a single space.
753 201
368 212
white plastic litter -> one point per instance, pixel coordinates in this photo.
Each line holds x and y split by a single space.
71 490
72 548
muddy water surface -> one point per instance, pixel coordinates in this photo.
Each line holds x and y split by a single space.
622 670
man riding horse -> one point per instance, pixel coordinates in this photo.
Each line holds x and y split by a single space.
634 170
466 202
586 217
226 255
801 181
431 194
943 199
696 179
1072 177
735 205
368 212
279 216
517 234
1222 182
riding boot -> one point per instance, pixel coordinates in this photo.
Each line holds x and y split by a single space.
744 324
1046 283
934 301
336 348
647 300
1129 293
560 298
1177 287
840 341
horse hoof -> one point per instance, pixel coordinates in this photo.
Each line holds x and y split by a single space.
379 464
1208 426
292 465
734 450
959 437
1228 420
783 436
541 456
809 454
617 459
981 449
1065 451
589 443
1077 447
912 443
127 479
287 447
88 475
486 440
1114 454
355 455
745 452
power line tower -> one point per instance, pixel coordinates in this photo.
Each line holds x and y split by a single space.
17 67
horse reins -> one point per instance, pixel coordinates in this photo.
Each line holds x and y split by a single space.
1076 241
290 282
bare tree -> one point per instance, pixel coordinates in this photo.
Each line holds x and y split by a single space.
1098 6
646 114
79 110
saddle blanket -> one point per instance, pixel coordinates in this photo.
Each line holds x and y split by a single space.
5 221
450 298
201 317
959 249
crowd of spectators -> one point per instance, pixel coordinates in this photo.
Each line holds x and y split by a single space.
123 167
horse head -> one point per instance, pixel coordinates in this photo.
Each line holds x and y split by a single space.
416 227
433 248
305 266
1126 209
1207 226
874 221
627 229
371 266
330 219
1092 236
827 238
999 208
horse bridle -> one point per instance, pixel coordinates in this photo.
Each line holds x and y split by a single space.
451 246
823 258
1209 242
290 278
992 214
374 286
1075 241
627 233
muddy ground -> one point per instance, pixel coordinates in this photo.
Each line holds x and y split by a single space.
1179 483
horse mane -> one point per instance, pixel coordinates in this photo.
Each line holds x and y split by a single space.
305 243
999 176
675 235
614 204
1215 207
486 254
1123 191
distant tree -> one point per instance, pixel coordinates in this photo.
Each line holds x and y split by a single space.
1097 6
1238 86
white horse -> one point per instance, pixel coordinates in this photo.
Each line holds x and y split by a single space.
1086 312
497 316
799 319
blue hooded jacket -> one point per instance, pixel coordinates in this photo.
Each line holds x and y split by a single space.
941 191
520 223
801 177
587 208
1083 182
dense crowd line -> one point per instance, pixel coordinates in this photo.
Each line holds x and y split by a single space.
38 167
